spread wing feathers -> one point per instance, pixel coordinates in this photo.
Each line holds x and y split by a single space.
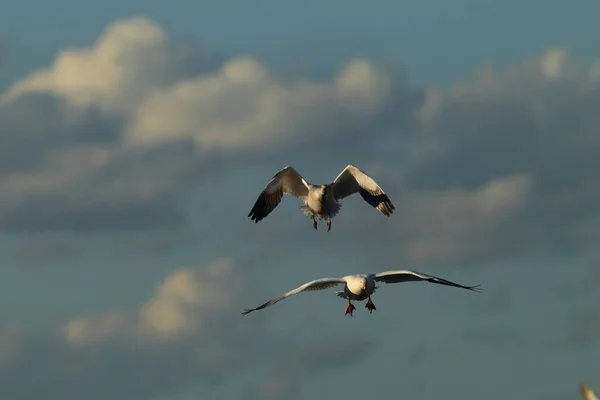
352 180
412 276
319 284
286 181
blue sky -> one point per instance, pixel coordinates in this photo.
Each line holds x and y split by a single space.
135 138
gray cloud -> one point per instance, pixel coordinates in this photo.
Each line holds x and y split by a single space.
497 166
190 331
535 119
123 129
500 166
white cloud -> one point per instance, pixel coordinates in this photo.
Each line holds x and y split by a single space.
188 296
181 306
111 136
93 330
128 60
124 127
246 106
189 331
121 128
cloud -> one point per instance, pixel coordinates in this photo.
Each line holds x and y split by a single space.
131 58
455 225
506 162
494 166
501 165
67 168
181 306
246 106
126 127
189 331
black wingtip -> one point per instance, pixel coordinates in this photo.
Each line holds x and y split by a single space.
381 202
253 215
246 311
386 207
476 288
254 218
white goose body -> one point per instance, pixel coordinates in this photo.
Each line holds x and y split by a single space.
354 289
321 202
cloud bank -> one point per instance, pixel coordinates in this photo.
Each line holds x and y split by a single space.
178 337
113 136
108 137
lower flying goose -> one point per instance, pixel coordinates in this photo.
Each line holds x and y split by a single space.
359 287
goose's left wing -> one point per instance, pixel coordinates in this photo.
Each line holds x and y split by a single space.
319 284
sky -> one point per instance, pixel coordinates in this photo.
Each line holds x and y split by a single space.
135 138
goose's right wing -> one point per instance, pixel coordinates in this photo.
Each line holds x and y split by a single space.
286 181
405 275
353 180
319 284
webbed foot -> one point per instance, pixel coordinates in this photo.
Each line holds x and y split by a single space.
370 306
349 308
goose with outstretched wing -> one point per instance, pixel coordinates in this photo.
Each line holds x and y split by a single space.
360 287
320 201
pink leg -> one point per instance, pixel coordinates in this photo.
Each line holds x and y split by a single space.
349 308
370 306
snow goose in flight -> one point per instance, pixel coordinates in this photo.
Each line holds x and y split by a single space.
359 287
320 201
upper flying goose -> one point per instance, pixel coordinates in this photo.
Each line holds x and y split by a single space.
359 287
320 201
